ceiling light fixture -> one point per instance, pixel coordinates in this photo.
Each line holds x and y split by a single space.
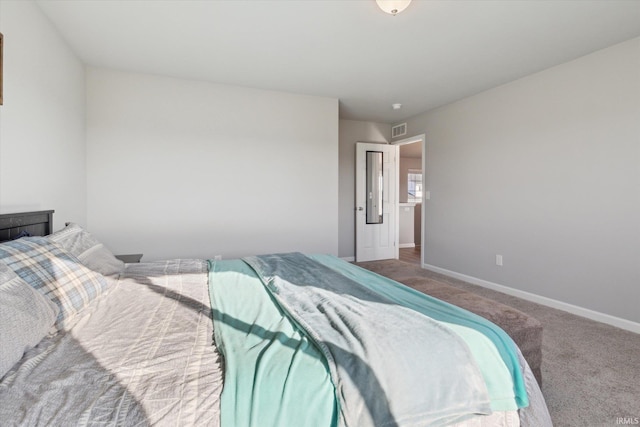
396 106
393 6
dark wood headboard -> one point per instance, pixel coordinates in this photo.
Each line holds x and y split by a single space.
39 223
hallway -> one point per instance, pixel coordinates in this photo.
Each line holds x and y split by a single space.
410 255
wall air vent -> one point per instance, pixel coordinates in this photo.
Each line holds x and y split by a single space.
399 130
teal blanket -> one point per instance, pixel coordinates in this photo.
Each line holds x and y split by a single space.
346 369
270 367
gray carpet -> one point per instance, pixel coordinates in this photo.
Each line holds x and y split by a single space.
590 370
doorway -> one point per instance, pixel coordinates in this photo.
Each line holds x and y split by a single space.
411 197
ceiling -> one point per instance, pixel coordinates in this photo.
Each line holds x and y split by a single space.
413 150
433 53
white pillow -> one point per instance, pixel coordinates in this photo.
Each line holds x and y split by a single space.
26 316
87 249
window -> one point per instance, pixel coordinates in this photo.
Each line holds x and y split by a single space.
414 181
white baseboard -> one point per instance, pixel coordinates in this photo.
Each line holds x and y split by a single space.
406 245
348 258
549 302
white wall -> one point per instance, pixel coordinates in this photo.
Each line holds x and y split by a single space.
546 172
181 168
42 152
352 131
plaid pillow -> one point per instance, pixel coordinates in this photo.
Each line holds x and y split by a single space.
55 273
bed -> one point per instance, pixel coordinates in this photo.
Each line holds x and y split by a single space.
142 344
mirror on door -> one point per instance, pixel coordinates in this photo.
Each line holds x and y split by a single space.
374 187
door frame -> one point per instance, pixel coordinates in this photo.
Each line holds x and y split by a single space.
422 138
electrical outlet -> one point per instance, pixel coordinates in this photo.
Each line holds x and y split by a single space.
217 258
499 260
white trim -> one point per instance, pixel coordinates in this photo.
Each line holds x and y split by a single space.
549 302
406 245
348 258
410 140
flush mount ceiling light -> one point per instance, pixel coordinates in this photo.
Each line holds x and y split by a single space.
396 106
393 6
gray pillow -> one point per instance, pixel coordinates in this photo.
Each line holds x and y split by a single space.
26 316
87 249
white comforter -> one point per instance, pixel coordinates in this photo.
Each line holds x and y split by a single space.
141 354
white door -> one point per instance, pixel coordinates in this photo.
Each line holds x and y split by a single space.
376 201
